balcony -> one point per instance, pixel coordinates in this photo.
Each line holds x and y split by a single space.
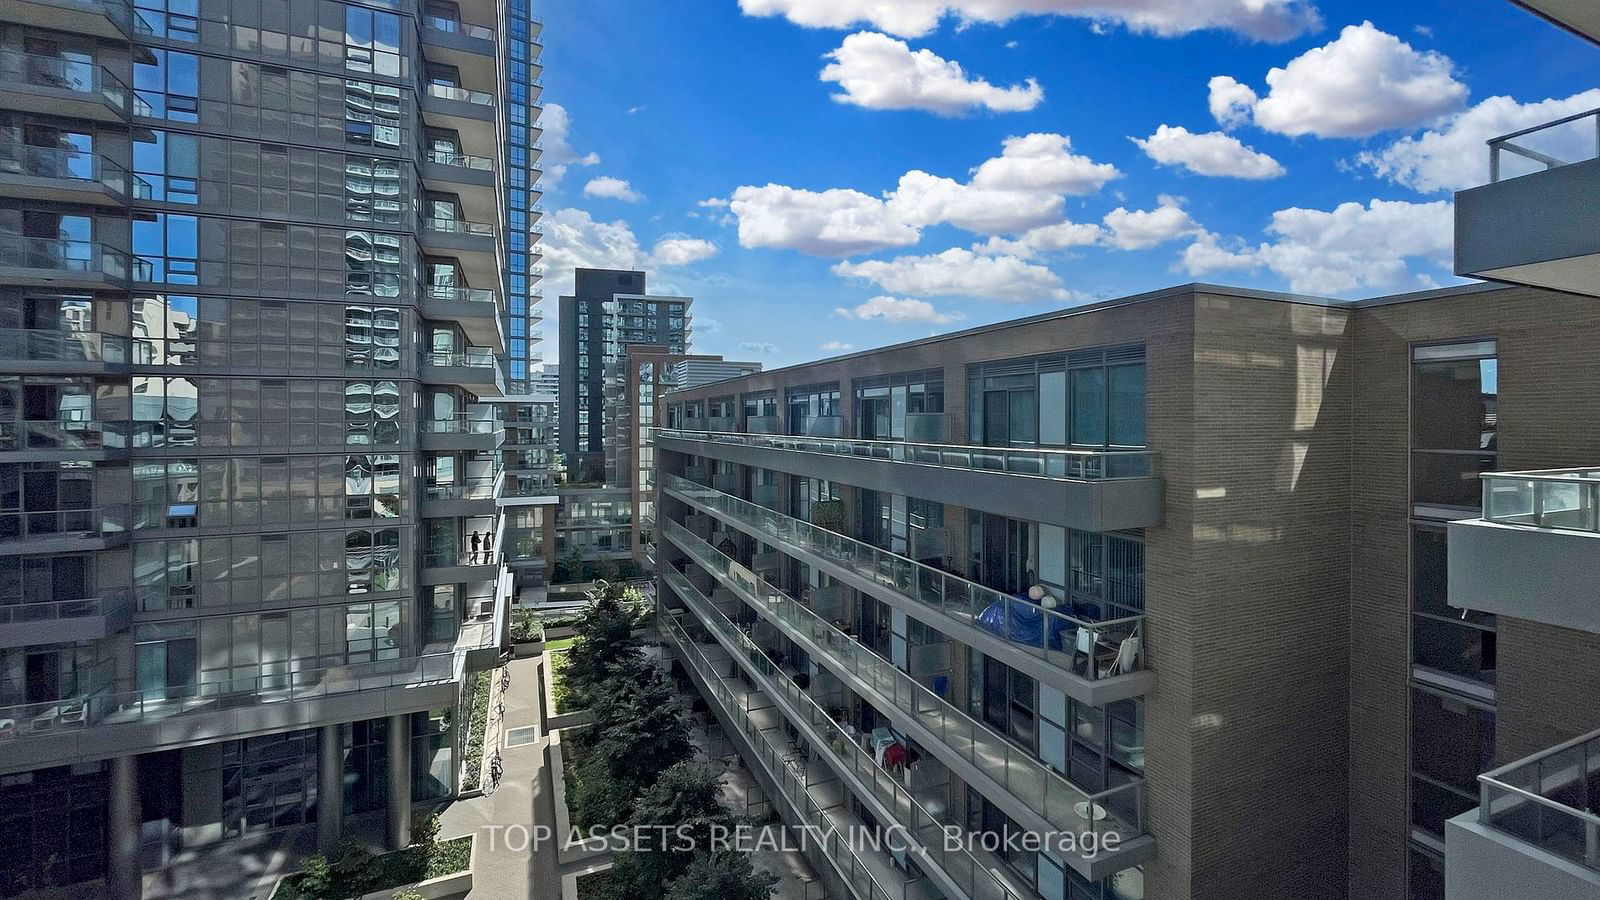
474 308
65 621
49 352
45 440
1096 659
271 699
62 175
472 244
468 47
475 369
1536 831
954 867
1534 223
98 18
458 565
1535 553
470 497
470 114
56 263
1092 490
763 424
813 798
52 86
1030 792
471 178
468 431
63 530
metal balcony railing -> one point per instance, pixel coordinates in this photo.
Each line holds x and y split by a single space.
1092 647
470 489
1567 499
269 683
1071 465
45 524
752 714
472 357
1550 800
56 434
77 76
60 255
1565 141
65 164
40 345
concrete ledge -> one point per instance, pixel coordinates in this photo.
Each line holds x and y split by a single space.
1482 863
1541 574
569 851
445 887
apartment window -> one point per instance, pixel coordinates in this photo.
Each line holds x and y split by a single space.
53 825
1454 413
372 486
1452 742
166 85
371 41
807 404
366 765
166 494
372 413
1084 398
269 782
372 560
169 245
432 755
443 613
906 406
1457 643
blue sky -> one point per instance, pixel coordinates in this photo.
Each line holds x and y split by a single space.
817 181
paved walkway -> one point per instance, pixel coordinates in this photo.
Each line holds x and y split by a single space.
504 867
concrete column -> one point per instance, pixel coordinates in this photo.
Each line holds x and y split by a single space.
124 875
330 788
399 780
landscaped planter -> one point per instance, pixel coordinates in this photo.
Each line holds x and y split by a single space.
574 850
566 718
440 887
525 649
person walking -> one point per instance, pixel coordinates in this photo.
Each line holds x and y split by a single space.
477 541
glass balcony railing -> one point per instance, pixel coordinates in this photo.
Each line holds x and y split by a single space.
41 345
446 294
459 94
64 164
46 524
75 75
451 26
1023 775
57 434
58 255
1099 640
846 751
1072 465
834 833
439 559
472 357
457 226
1566 499
470 489
763 424
1551 145
460 425
1550 800
55 610
270 683
461 160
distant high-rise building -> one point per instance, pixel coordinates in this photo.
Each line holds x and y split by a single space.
253 311
607 310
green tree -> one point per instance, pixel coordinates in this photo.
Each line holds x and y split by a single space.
603 642
721 875
638 723
684 799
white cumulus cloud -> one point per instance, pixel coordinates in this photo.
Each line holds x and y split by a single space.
836 346
962 273
574 240
758 347
1331 252
1018 190
1454 155
1137 229
1045 239
878 72
898 310
1265 20
558 153
614 188
1363 82
1211 153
